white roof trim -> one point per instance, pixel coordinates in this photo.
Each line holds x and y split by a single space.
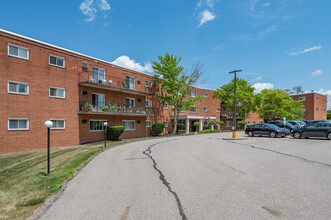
193 117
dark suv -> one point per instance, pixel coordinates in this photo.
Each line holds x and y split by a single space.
281 125
318 129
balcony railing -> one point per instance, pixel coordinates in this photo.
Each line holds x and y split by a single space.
116 84
114 109
231 116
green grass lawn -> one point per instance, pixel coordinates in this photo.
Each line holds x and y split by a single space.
24 184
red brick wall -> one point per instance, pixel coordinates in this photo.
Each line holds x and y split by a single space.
314 107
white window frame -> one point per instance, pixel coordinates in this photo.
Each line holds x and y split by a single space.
134 82
19 129
148 83
205 109
218 110
302 98
194 107
226 124
206 95
27 90
248 122
166 124
148 101
104 95
103 121
149 121
13 45
193 91
134 102
59 97
317 98
49 61
205 123
64 123
99 80
167 106
134 125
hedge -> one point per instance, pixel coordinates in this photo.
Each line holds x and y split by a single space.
114 132
157 128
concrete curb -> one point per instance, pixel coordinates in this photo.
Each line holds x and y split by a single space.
235 139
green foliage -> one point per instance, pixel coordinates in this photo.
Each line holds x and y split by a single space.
176 84
157 128
208 131
244 94
196 124
180 127
329 115
276 104
297 89
114 132
212 122
242 122
221 122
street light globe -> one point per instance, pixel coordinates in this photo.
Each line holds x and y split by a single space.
105 124
48 124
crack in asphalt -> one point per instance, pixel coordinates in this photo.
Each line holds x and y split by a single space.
285 154
163 179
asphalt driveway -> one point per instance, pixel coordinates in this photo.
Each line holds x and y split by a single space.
203 177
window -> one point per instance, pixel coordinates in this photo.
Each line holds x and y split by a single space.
317 109
130 102
228 123
218 109
205 95
165 123
261 122
18 88
218 123
323 100
193 110
17 51
248 122
148 103
304 109
148 83
56 61
56 92
254 122
205 109
129 125
129 80
18 124
148 124
205 123
165 106
317 98
98 100
97 125
323 110
193 93
98 74
302 98
58 123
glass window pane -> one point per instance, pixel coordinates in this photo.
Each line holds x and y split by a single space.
23 124
52 60
101 74
53 92
22 88
60 123
60 93
13 50
101 100
59 62
13 124
23 52
13 87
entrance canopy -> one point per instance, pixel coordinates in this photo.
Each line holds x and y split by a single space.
193 117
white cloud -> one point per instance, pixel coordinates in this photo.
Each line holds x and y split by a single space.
307 50
317 73
205 16
258 36
259 78
210 3
266 4
90 8
129 63
260 86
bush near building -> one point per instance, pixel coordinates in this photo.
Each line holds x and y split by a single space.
157 128
114 132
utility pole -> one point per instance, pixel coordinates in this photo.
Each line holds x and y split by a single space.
234 127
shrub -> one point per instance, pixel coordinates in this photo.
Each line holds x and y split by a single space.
114 132
208 131
157 128
221 122
196 124
212 122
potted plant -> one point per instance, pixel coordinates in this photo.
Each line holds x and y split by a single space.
86 106
212 123
196 125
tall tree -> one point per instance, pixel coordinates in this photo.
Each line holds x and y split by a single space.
245 96
274 104
329 115
297 89
176 84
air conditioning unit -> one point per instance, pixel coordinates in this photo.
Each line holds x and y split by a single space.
84 65
138 79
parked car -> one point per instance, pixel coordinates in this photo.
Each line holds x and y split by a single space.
263 129
318 129
281 125
316 121
298 123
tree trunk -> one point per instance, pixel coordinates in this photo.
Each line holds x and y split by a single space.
175 121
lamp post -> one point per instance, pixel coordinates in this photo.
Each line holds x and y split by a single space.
234 127
105 128
48 125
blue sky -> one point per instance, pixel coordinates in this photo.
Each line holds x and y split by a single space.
277 43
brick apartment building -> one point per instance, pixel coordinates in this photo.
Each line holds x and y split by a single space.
315 105
78 93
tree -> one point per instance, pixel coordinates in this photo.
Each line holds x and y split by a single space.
274 104
242 123
297 89
176 84
245 96
329 115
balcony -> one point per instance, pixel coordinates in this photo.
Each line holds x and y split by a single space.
116 110
227 115
115 84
